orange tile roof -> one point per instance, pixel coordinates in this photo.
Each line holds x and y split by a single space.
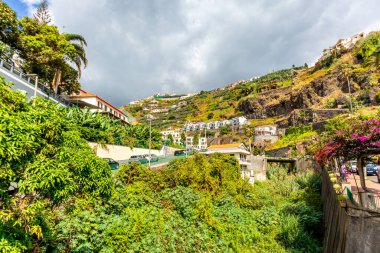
232 145
83 93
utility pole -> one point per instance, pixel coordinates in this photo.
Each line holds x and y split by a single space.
346 72
186 139
150 138
349 92
35 86
206 136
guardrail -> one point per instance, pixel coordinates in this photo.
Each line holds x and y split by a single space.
17 73
365 200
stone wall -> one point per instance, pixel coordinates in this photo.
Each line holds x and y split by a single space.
280 152
265 138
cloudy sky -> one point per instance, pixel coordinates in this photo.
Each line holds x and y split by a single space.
139 48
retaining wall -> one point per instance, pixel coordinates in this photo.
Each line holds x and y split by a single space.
120 153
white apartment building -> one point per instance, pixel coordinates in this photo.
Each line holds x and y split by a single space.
176 133
202 143
238 121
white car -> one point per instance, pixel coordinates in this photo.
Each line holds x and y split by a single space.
353 167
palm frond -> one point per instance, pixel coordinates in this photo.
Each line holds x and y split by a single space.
75 37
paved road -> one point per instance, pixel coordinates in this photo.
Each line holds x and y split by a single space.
373 179
371 183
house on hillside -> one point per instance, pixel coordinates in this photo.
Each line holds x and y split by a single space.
182 103
202 143
175 133
240 152
239 121
266 134
162 110
97 104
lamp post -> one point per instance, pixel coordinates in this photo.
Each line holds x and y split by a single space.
349 92
186 140
150 137
35 86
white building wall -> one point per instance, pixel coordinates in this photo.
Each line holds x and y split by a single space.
91 101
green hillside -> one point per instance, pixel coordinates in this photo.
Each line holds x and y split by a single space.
273 97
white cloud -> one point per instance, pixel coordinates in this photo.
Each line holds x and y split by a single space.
137 48
31 5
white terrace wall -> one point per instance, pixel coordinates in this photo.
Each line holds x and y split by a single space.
120 153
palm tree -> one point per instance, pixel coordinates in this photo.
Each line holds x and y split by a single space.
78 42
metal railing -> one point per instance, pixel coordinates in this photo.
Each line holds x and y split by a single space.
366 200
8 65
363 200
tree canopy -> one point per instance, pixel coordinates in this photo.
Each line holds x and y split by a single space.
357 139
8 24
43 48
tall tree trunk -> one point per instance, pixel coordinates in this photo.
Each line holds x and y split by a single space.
57 80
361 173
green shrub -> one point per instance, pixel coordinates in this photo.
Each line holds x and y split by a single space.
377 97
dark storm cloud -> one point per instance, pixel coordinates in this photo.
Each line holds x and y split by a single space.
138 48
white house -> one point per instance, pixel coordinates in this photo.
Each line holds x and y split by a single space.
266 134
160 110
97 105
240 152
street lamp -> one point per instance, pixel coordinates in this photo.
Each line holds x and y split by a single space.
35 86
186 139
150 136
349 92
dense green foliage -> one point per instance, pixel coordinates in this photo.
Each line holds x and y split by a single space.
369 49
8 24
198 205
105 130
280 75
294 135
46 162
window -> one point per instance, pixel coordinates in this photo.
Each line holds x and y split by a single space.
242 157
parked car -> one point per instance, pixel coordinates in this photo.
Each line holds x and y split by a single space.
353 167
179 152
371 169
112 163
137 158
153 157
